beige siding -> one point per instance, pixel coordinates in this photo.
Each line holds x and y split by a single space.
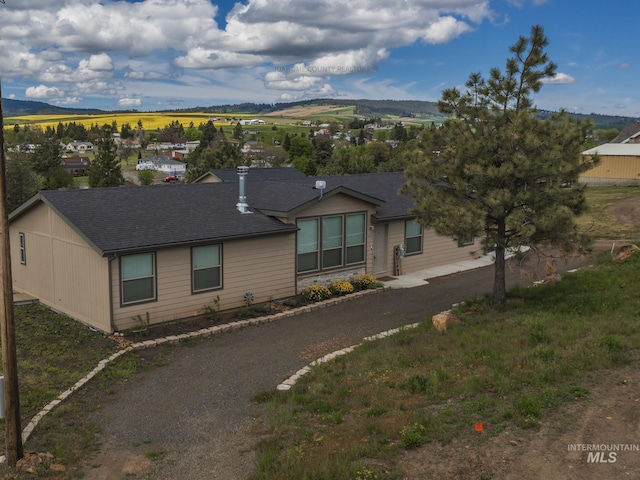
210 179
335 205
264 266
616 167
437 250
62 270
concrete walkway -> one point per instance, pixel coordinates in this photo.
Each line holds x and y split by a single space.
421 277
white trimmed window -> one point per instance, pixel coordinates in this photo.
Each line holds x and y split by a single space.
138 278
23 249
356 238
206 268
308 245
331 241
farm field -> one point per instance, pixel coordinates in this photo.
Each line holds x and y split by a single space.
290 117
150 120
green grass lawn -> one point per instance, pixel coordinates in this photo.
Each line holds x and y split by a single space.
509 368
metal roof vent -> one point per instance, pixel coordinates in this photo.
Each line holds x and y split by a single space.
320 185
242 205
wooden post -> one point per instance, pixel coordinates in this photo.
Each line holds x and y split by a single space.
7 324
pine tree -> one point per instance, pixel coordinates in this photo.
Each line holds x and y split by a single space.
105 170
496 170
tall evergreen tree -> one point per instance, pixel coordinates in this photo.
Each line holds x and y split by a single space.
105 170
22 181
498 171
46 156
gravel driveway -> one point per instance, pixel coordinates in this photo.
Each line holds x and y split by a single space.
193 419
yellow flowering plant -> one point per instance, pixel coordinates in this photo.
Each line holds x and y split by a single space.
341 287
316 293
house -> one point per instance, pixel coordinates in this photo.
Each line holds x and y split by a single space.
192 145
76 166
79 147
162 163
629 134
619 164
206 244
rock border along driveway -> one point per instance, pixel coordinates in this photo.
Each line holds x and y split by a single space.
173 339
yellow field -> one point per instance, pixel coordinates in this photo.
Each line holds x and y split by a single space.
150 121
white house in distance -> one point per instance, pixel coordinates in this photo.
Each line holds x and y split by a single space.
164 164
253 121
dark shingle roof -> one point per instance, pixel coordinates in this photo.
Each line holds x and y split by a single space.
137 218
630 130
126 219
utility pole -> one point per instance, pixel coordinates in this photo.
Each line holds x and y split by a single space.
7 323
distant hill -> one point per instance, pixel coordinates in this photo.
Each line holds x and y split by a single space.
599 120
366 108
14 108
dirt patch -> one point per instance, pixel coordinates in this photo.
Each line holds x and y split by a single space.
590 438
114 462
626 211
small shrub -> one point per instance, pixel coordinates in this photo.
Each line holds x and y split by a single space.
244 313
367 474
262 308
290 302
413 436
364 281
316 293
341 287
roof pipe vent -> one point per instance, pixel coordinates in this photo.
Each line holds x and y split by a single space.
242 205
320 185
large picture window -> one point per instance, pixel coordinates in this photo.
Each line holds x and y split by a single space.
138 278
330 242
206 267
412 237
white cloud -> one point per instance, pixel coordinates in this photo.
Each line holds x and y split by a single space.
445 30
42 91
129 102
90 44
559 79
203 58
66 101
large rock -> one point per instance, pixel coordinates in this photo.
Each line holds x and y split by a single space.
624 252
444 321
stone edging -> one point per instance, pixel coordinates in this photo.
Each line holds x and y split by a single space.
293 379
205 332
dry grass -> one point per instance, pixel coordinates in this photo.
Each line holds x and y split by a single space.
601 220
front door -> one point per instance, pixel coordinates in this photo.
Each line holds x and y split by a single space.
380 248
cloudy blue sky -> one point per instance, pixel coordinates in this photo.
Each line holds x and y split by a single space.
163 54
